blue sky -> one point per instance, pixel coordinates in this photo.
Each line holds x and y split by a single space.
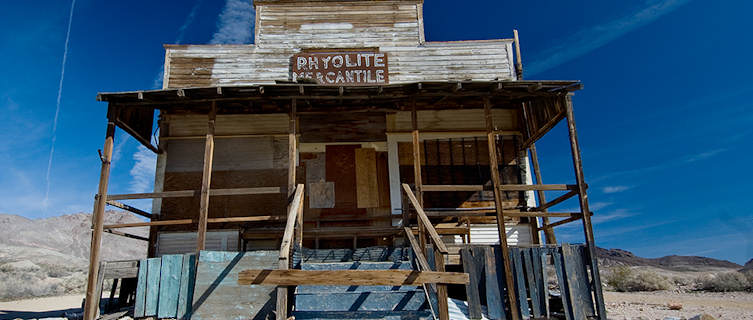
664 119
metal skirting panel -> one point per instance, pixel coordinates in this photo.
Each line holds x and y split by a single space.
185 242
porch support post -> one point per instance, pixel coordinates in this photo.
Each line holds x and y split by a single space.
494 168
292 162
548 232
417 174
206 180
583 198
92 300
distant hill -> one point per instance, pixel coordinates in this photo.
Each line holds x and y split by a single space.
748 266
612 257
49 256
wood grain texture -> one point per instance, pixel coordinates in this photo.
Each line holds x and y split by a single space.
169 291
294 277
367 189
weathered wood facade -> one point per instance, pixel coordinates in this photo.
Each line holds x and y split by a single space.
435 143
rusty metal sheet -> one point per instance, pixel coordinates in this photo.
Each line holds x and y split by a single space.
341 68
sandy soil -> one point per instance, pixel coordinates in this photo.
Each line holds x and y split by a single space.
40 307
655 305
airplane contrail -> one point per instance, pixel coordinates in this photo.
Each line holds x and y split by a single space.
57 106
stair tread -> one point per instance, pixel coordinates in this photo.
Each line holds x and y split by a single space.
361 301
345 315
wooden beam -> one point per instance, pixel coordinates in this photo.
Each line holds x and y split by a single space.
287 237
585 211
418 180
543 207
423 264
191 193
534 214
561 222
444 313
127 235
548 233
129 208
532 187
92 300
190 221
206 180
297 277
458 188
429 228
518 62
494 168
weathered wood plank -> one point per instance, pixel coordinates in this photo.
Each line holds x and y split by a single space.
187 280
191 193
152 286
538 256
531 280
295 277
139 304
472 288
571 265
367 192
494 301
425 220
169 285
562 281
520 285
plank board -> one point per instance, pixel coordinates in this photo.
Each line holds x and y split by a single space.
472 288
321 194
571 264
494 283
139 305
152 286
170 274
531 280
295 277
562 281
367 189
218 295
520 285
539 272
187 281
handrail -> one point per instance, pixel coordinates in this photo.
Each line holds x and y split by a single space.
423 265
423 219
293 211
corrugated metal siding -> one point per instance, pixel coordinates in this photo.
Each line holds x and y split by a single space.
185 242
517 234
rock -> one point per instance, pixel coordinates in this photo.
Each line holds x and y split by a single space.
704 316
672 318
674 306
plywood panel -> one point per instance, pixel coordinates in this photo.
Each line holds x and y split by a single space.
217 292
321 194
367 189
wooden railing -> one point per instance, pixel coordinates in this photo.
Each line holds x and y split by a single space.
439 249
293 231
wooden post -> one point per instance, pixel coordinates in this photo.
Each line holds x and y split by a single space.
417 174
206 181
518 62
92 301
494 168
444 313
292 162
548 232
583 198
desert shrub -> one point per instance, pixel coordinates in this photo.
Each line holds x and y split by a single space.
626 279
724 282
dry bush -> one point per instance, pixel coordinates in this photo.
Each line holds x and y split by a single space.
725 282
626 279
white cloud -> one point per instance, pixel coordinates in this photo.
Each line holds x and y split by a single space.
142 173
615 189
703 155
236 24
597 36
611 215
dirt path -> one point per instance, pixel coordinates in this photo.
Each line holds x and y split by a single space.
40 307
655 305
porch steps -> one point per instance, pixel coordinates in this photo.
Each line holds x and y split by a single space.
360 302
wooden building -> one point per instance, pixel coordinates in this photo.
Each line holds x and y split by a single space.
342 127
